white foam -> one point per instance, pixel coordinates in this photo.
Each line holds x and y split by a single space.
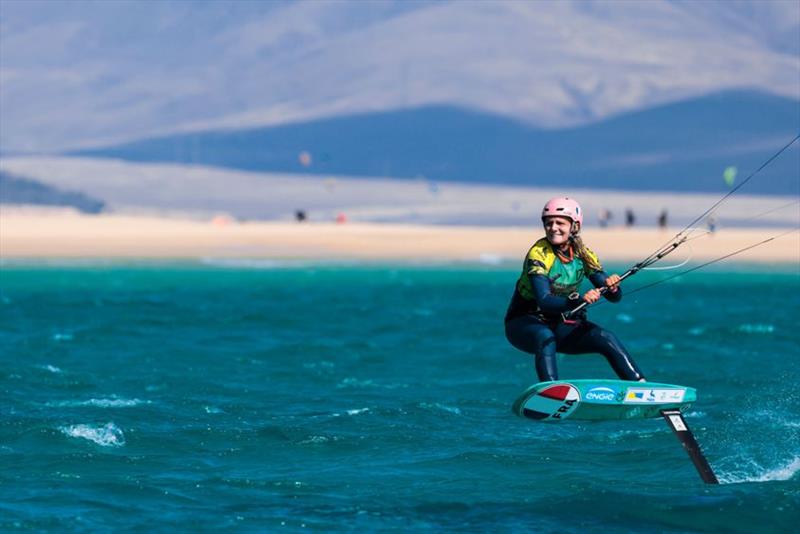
115 403
101 403
351 382
626 434
624 318
445 408
51 368
351 412
354 382
756 328
315 440
108 435
695 414
784 472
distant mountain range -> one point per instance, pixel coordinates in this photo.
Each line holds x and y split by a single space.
84 73
19 190
683 146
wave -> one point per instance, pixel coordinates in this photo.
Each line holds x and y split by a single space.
108 435
626 435
318 440
756 328
441 407
356 383
694 414
786 471
355 411
99 403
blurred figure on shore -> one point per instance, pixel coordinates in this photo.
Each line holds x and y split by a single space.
630 218
300 215
711 223
223 219
604 217
662 219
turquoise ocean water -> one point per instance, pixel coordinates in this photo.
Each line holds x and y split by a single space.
263 396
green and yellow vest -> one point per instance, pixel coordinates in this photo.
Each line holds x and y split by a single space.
565 277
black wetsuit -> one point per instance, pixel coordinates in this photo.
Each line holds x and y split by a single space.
536 326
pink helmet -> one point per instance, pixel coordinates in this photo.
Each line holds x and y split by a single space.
563 207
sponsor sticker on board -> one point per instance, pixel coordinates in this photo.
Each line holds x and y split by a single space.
654 395
601 394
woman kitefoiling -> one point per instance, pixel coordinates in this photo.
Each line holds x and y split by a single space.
547 290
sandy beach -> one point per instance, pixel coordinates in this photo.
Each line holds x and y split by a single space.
63 233
200 193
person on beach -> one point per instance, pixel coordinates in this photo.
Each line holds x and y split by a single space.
552 273
604 218
662 219
630 218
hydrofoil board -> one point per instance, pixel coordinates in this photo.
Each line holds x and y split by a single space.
597 400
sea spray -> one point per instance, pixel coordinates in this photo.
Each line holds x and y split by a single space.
108 435
759 473
113 402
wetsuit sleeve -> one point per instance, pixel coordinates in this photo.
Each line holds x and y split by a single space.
547 301
598 279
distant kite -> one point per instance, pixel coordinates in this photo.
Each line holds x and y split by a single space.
729 175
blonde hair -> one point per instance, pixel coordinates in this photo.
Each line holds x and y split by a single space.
583 253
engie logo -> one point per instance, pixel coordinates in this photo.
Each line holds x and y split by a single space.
603 394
